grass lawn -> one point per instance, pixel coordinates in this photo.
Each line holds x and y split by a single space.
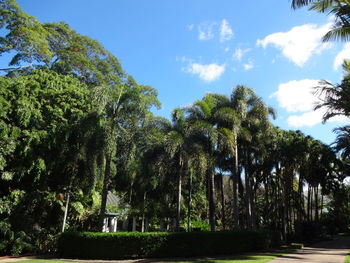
347 259
257 258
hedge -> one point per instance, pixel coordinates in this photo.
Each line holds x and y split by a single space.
90 245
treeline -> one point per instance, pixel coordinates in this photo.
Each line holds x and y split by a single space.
74 125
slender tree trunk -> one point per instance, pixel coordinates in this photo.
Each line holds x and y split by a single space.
66 211
308 202
253 202
178 204
247 192
105 190
125 225
316 203
211 199
266 202
143 212
146 225
300 186
223 219
189 203
235 180
281 199
134 224
321 209
311 206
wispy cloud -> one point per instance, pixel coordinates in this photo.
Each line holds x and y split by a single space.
206 72
210 29
239 53
344 54
297 97
205 30
299 43
226 31
249 65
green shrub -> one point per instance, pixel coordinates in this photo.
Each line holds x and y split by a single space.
13 243
136 245
200 225
297 245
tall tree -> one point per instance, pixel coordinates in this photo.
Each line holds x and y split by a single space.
121 104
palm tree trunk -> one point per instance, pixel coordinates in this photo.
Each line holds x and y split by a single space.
308 202
311 206
211 199
316 203
143 212
105 190
247 192
300 199
178 204
253 206
266 214
189 203
223 219
235 179
321 208
134 224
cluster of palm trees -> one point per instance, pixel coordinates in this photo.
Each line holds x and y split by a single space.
245 172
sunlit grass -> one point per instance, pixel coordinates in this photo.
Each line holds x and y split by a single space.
248 258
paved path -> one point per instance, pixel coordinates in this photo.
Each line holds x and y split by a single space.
333 251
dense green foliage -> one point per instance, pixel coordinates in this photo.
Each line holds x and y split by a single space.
129 245
74 125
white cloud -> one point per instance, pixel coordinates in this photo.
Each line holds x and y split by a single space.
344 54
248 65
205 30
239 53
208 72
299 43
226 31
311 118
297 97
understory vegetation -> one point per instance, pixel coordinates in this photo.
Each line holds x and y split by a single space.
74 126
161 245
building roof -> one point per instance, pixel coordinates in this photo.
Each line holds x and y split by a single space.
112 199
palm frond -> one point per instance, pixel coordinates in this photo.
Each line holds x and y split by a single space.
173 142
324 5
300 3
338 33
228 116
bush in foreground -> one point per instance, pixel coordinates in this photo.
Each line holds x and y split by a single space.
139 245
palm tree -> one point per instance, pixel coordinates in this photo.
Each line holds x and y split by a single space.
335 97
229 124
119 106
177 146
243 114
342 142
202 125
341 11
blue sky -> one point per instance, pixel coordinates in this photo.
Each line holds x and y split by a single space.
185 48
